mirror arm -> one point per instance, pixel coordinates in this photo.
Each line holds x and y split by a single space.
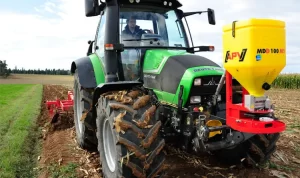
210 14
192 13
90 50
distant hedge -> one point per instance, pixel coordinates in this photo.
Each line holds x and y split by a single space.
288 81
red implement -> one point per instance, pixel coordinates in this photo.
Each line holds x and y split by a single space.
236 115
57 107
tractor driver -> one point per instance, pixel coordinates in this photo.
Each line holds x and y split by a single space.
131 58
132 31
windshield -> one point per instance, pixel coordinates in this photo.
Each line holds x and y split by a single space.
150 29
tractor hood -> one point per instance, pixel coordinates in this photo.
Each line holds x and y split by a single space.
155 61
164 69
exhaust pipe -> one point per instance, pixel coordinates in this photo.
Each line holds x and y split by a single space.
220 85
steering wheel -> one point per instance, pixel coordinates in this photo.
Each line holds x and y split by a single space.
147 31
139 34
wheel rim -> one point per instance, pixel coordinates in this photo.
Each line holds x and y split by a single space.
109 146
78 109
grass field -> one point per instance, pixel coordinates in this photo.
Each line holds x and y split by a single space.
19 106
60 155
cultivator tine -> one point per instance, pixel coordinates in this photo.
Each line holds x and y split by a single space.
55 118
59 107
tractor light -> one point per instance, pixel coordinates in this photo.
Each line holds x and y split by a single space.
196 109
211 48
137 1
165 3
197 82
109 47
131 1
195 99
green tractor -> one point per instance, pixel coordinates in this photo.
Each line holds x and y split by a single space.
141 87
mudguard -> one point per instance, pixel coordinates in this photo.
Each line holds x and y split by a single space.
86 73
111 86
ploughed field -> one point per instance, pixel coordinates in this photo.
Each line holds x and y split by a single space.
65 80
53 149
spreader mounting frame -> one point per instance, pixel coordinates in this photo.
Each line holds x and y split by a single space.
236 114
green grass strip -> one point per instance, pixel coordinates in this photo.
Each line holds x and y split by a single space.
10 92
17 123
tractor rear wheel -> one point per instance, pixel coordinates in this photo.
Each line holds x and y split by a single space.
86 136
129 142
253 152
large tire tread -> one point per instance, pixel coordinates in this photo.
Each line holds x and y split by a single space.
137 133
261 148
87 140
89 121
253 152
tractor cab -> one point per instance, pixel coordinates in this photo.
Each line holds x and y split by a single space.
150 29
142 25
141 30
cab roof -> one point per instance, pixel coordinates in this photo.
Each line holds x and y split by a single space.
173 4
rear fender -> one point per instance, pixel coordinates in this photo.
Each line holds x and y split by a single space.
86 73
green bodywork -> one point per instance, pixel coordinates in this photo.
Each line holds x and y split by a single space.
154 62
155 59
98 69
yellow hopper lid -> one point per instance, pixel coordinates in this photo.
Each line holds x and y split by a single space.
254 52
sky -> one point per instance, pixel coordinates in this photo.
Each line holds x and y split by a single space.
52 33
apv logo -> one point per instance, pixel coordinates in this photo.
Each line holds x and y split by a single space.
233 55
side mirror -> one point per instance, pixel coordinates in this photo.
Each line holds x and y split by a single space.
91 8
211 16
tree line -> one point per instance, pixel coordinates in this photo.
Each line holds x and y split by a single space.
39 71
4 71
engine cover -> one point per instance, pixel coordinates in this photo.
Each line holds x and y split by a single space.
168 68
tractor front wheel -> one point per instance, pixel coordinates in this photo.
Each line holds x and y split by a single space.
253 152
129 142
86 136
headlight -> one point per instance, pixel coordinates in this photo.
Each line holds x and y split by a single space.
197 82
195 99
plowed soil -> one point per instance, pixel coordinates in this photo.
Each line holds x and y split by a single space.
59 143
59 146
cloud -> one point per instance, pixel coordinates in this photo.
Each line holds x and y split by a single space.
47 7
40 40
56 32
231 10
